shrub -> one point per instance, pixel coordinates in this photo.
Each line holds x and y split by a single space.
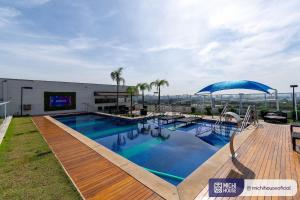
193 109
208 110
232 109
263 112
220 109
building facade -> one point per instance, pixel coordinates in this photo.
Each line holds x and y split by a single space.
37 97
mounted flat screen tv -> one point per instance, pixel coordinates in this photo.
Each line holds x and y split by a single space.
54 101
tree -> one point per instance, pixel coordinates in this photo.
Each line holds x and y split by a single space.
159 83
132 90
143 87
117 76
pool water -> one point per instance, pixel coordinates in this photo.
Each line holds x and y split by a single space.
171 153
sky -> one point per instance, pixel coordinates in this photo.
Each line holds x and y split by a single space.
191 43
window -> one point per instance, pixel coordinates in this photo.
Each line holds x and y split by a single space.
97 101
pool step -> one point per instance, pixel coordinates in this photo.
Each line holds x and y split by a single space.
164 174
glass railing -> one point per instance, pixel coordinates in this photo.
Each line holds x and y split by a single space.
3 111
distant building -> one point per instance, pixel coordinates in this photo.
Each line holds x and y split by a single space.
49 97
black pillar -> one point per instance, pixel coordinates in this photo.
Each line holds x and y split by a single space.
294 113
21 101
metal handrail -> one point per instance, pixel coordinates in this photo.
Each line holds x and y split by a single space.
3 103
231 145
157 108
244 124
246 118
5 109
219 122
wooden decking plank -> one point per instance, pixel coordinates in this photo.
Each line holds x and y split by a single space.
268 153
249 160
154 197
94 176
277 161
249 148
253 163
225 169
272 161
259 165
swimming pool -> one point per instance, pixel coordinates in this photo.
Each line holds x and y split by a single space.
168 150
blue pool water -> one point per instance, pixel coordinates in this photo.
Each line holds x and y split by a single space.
151 144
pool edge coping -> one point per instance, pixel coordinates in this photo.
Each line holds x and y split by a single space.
153 182
193 185
188 189
125 117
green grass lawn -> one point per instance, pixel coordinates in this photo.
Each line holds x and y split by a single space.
28 168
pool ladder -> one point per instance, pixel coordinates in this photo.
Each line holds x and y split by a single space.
222 115
248 117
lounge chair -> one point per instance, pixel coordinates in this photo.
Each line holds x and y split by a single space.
168 118
295 135
188 120
275 117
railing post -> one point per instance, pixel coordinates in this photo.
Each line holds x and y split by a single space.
296 109
277 100
255 113
4 111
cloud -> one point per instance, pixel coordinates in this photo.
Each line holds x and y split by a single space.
209 48
191 43
89 43
83 43
7 14
110 13
51 54
165 47
30 3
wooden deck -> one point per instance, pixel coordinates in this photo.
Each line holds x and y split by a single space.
266 154
94 176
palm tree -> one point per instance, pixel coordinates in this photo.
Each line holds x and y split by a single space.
132 90
159 83
117 76
143 87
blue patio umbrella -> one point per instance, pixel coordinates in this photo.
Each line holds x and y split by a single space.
242 84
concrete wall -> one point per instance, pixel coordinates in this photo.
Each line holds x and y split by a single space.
10 90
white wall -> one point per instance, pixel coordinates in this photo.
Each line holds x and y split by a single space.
11 91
